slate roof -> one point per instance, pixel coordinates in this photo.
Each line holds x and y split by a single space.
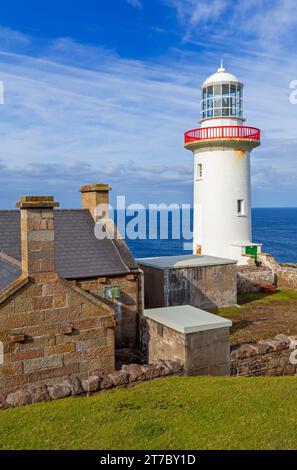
78 253
8 273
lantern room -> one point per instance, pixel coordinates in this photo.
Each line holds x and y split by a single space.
221 96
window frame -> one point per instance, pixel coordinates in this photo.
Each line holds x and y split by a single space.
214 105
199 171
240 208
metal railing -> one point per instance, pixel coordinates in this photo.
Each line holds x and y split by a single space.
222 132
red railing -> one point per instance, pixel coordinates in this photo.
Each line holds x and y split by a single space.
222 132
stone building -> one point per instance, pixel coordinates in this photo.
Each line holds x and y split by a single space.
202 281
67 299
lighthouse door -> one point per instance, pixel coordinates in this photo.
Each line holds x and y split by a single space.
251 250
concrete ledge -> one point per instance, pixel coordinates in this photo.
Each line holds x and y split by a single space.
187 319
184 261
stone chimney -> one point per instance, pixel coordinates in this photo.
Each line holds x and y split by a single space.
37 233
94 195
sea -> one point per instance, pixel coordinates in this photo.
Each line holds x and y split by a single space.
275 228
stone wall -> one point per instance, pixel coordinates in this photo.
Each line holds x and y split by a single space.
250 278
206 287
159 341
96 382
286 276
51 329
267 358
208 352
269 272
126 308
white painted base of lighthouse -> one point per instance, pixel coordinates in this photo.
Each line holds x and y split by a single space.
221 181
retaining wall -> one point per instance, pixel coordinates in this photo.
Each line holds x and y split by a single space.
268 358
251 278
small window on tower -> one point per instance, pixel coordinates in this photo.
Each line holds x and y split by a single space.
199 171
240 207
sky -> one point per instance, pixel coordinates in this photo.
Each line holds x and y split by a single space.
103 90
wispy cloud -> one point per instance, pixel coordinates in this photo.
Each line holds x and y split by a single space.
76 114
118 121
266 24
135 3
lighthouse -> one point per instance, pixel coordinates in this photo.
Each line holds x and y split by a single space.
222 179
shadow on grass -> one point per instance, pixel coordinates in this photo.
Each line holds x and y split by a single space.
254 296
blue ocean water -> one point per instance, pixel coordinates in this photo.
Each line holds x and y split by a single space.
276 228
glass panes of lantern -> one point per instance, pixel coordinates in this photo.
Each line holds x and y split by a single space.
221 100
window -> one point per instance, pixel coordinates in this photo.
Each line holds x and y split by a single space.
221 100
240 207
225 89
233 90
199 171
217 90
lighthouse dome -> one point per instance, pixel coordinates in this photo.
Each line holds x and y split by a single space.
221 75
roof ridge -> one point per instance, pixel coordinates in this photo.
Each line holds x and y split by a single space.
120 245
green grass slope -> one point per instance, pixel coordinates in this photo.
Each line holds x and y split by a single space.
170 413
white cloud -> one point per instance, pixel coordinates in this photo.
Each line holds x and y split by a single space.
264 24
79 114
120 121
135 3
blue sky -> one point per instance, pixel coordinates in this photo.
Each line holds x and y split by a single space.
102 91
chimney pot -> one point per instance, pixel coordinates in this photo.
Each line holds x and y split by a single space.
37 202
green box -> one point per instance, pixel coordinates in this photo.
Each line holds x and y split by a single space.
111 292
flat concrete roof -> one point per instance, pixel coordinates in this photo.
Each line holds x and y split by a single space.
186 319
246 244
184 261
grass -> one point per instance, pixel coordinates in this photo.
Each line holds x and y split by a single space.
169 413
262 316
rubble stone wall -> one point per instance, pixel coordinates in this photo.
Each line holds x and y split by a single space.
251 278
268 358
286 276
95 382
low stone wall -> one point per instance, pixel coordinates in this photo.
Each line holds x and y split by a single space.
285 275
268 272
287 278
96 382
251 278
269 358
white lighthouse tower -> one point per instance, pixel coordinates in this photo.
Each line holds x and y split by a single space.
222 181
